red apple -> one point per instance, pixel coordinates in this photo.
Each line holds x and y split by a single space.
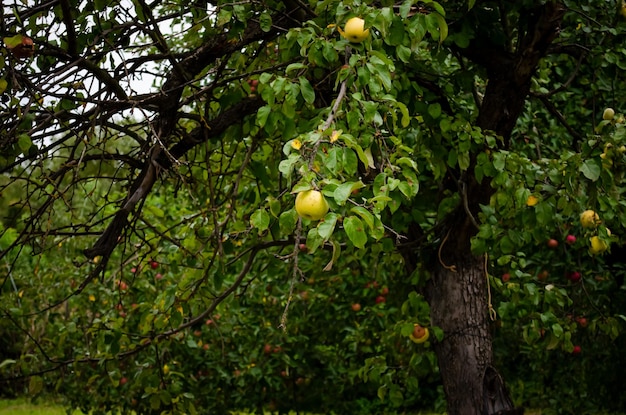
570 240
384 291
205 346
154 265
356 307
133 270
24 50
208 322
553 243
123 286
506 277
418 331
197 333
159 276
267 349
277 349
574 276
380 299
577 350
123 381
543 275
582 321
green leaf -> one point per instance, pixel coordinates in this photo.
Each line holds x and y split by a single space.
13 41
286 165
260 219
307 90
326 227
335 257
24 142
343 191
591 170
3 85
262 114
7 238
265 21
434 110
35 385
313 240
295 66
356 231
7 362
287 221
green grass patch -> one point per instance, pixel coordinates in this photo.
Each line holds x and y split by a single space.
25 407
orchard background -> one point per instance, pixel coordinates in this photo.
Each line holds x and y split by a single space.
151 258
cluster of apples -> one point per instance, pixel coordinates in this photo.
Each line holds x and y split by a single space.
590 220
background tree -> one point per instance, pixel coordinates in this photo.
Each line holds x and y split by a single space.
458 137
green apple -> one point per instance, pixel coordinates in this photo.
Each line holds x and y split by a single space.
311 205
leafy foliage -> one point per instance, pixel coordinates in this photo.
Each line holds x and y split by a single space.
152 257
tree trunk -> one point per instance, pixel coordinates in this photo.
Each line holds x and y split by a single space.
459 305
458 291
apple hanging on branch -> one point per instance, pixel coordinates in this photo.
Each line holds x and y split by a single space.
354 30
420 334
311 204
21 46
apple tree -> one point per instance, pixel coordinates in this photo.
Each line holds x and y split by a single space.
154 152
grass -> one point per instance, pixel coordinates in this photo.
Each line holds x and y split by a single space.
24 407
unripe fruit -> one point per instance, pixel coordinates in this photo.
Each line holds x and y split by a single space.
608 114
311 205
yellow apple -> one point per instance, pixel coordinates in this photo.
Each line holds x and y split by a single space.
355 30
420 334
597 245
608 114
589 219
311 205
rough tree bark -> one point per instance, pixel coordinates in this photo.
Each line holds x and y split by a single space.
457 290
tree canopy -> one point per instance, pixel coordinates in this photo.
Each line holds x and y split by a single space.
471 154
